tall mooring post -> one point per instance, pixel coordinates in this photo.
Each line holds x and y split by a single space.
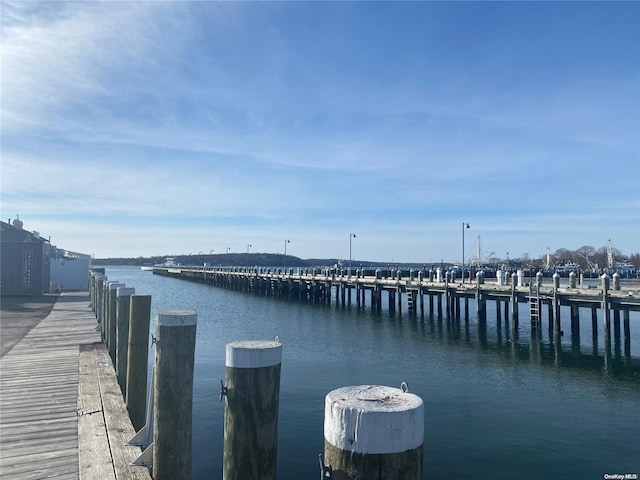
173 394
252 393
112 288
99 293
123 302
136 389
373 432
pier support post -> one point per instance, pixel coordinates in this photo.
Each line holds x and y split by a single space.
606 314
594 325
251 413
173 394
627 333
466 308
373 432
481 301
514 302
575 320
136 390
123 302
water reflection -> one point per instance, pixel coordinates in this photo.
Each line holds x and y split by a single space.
515 340
530 346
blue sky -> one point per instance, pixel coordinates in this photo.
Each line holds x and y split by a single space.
161 128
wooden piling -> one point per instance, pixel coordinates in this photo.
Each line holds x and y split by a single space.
627 333
111 318
138 352
251 413
606 314
99 294
575 320
374 432
123 302
173 394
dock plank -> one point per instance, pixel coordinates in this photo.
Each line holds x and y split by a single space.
94 452
119 428
62 412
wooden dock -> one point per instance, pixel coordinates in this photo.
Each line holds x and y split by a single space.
444 295
62 414
327 285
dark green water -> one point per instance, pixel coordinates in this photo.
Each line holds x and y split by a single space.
494 407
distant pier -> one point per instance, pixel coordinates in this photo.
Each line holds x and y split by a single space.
431 292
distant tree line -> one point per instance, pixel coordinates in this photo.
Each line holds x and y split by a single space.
586 257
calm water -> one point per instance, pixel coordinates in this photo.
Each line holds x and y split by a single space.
494 407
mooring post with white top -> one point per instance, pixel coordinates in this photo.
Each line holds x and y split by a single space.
123 302
175 341
252 390
138 353
373 432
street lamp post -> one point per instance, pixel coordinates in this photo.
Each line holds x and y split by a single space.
351 235
285 255
248 245
464 225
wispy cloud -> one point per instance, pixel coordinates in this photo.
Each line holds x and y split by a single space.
260 119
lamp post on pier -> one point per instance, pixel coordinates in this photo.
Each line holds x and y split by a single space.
248 245
351 235
464 225
285 255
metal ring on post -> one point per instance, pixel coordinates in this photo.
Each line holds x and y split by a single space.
404 387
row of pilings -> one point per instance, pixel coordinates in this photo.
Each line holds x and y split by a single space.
369 430
437 292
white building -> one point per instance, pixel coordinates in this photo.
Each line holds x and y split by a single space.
69 271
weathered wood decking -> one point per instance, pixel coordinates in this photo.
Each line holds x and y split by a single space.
61 412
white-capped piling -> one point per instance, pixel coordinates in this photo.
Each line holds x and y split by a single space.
175 338
136 390
252 389
123 302
373 432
